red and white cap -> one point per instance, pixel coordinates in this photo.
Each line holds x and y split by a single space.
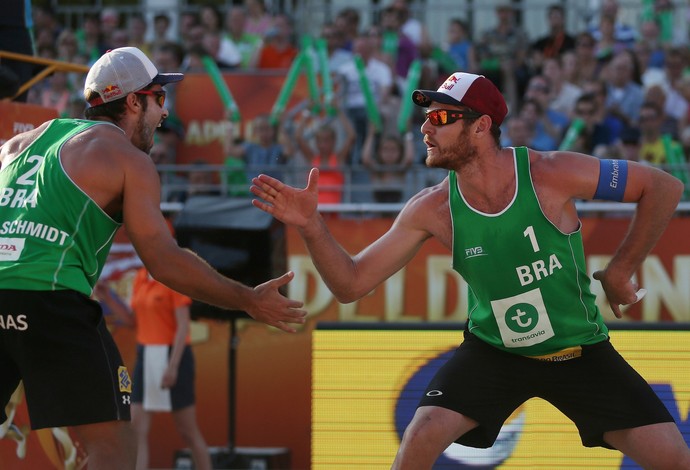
121 71
467 89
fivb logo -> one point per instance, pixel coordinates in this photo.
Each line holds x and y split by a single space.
474 251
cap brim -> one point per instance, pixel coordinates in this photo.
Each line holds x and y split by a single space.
424 98
163 78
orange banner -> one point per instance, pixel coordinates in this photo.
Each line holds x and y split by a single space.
201 110
274 368
16 118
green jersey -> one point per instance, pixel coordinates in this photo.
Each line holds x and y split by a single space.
52 235
528 287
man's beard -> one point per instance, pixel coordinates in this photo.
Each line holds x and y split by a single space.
455 156
144 135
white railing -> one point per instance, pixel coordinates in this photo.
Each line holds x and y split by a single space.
356 195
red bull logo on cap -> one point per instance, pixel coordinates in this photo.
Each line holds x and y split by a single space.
449 83
111 91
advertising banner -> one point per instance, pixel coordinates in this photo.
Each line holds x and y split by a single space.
205 120
18 117
367 383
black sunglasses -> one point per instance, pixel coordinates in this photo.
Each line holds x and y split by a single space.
441 117
159 94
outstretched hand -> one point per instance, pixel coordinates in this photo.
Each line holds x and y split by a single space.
274 309
618 291
290 205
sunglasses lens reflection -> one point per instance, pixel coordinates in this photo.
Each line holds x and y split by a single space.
437 117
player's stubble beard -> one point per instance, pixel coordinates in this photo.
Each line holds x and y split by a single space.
144 134
455 156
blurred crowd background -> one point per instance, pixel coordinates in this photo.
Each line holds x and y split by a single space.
609 78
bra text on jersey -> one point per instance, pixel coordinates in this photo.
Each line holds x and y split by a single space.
537 270
20 198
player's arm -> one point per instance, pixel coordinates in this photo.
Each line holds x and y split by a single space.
656 193
348 277
184 271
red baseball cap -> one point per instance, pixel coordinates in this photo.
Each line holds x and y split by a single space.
467 89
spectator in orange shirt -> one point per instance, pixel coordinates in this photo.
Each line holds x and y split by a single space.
164 372
327 155
279 48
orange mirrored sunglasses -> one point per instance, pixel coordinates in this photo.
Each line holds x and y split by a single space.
441 117
159 94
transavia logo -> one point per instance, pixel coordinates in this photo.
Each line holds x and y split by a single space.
456 456
522 318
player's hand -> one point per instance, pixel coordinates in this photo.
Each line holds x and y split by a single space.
272 308
169 378
290 205
619 290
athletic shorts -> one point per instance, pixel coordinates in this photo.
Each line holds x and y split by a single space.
58 344
181 394
598 391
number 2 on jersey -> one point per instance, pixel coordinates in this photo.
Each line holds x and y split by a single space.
26 178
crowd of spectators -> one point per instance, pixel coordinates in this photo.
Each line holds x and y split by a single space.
609 88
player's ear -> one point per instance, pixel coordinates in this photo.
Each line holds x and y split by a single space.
132 101
483 124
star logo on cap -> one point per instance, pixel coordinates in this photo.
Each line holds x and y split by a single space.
419 98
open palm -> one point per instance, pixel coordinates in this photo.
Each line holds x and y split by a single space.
290 205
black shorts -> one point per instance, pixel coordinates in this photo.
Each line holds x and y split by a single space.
182 393
598 391
58 344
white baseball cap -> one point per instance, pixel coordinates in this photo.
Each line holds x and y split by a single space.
122 71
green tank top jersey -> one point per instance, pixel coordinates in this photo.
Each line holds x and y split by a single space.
52 235
528 287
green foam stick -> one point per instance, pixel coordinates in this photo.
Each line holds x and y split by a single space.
572 134
286 90
311 74
221 87
372 109
413 75
326 81
389 44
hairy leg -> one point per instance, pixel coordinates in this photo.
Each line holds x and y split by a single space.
431 431
110 445
656 446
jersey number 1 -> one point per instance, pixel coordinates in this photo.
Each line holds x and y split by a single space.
529 233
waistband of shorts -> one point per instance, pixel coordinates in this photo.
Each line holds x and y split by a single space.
560 356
